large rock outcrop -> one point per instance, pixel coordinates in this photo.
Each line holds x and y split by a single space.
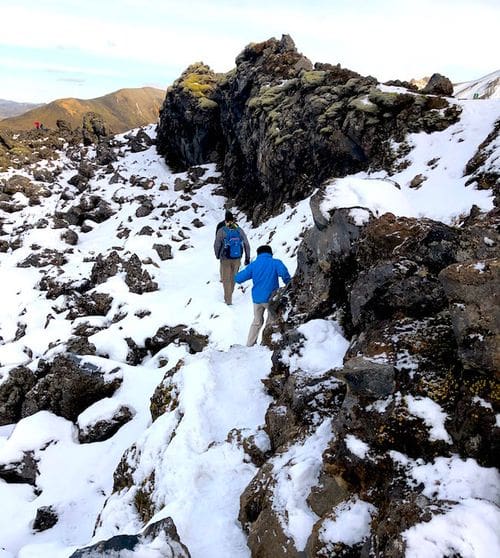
416 298
280 126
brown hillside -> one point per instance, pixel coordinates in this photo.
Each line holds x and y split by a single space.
122 110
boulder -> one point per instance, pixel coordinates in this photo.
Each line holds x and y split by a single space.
137 279
94 129
189 128
279 126
438 85
364 378
67 387
164 251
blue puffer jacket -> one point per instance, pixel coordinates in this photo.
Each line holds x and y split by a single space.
264 271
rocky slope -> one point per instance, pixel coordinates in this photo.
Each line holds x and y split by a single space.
121 110
133 421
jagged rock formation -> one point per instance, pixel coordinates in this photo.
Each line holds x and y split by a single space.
279 126
414 297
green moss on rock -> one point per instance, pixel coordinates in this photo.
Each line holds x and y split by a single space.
312 77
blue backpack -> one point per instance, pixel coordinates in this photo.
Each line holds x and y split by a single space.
233 245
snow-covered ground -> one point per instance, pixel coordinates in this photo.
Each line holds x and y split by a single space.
202 470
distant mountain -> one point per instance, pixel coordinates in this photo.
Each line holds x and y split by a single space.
122 110
487 87
12 108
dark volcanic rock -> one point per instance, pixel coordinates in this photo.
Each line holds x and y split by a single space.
94 129
178 334
13 392
23 471
438 85
43 259
137 279
104 429
125 545
105 267
418 300
189 129
46 518
68 386
164 251
473 289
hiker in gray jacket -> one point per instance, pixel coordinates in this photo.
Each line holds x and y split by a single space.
230 242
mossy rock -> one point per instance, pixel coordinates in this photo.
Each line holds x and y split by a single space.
207 104
312 78
267 99
363 104
390 100
143 502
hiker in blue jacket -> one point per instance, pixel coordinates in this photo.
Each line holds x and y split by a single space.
264 272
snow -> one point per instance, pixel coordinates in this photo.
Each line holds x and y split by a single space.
479 266
432 415
356 446
323 349
453 478
350 523
195 449
296 472
200 471
468 529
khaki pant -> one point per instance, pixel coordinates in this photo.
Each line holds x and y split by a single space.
229 268
258 321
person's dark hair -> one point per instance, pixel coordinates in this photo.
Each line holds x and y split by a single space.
228 216
264 250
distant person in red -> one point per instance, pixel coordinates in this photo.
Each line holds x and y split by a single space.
37 124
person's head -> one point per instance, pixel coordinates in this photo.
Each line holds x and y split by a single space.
229 217
265 249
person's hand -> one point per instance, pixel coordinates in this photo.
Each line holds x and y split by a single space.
247 261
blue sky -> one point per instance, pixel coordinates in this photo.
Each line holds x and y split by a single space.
86 48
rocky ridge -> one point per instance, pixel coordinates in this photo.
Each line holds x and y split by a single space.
279 126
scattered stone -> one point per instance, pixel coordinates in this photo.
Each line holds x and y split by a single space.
178 334
164 251
24 471
70 237
104 429
46 518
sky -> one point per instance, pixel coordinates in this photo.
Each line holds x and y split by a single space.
52 49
